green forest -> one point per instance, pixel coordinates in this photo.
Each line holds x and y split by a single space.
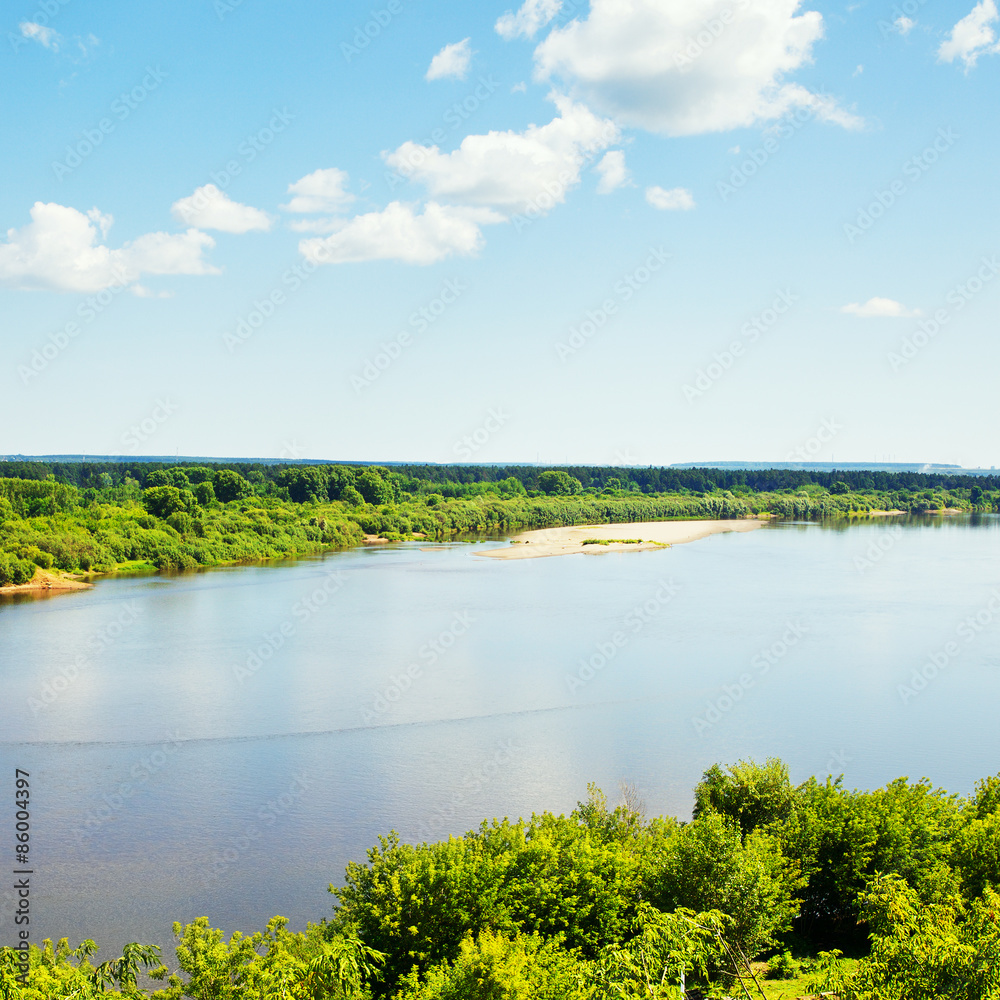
771 890
95 518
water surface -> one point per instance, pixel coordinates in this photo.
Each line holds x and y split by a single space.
223 743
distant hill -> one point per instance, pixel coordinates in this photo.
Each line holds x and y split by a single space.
927 468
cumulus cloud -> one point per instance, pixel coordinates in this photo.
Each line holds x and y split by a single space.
972 37
612 172
903 24
210 208
880 307
60 250
674 200
39 33
400 233
689 66
452 61
511 171
320 191
530 17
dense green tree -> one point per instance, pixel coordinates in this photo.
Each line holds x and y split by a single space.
491 966
230 485
558 483
204 493
920 951
162 501
751 794
511 487
373 487
709 865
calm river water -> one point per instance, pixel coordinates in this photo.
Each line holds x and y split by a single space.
223 743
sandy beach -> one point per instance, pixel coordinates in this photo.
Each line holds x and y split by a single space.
650 534
43 581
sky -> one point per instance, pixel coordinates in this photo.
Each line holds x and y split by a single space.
626 232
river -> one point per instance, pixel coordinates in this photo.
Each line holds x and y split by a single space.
222 743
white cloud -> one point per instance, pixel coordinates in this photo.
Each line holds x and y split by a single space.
39 33
399 233
320 191
59 250
613 172
676 199
972 37
903 24
511 171
453 60
530 17
666 67
320 225
880 307
210 208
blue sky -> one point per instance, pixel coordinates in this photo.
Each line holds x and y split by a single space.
616 233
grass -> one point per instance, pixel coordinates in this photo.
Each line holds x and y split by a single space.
786 989
611 541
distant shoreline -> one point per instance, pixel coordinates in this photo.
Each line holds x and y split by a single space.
642 536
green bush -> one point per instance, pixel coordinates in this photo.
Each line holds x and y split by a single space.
783 966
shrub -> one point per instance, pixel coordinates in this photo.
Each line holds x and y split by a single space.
783 966
14 570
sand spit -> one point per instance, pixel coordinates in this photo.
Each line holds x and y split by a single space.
650 535
42 582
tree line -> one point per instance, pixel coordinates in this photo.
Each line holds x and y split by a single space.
652 479
186 516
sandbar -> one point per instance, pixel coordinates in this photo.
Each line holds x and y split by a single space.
44 581
569 539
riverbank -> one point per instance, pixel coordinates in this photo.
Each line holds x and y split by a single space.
639 536
44 582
